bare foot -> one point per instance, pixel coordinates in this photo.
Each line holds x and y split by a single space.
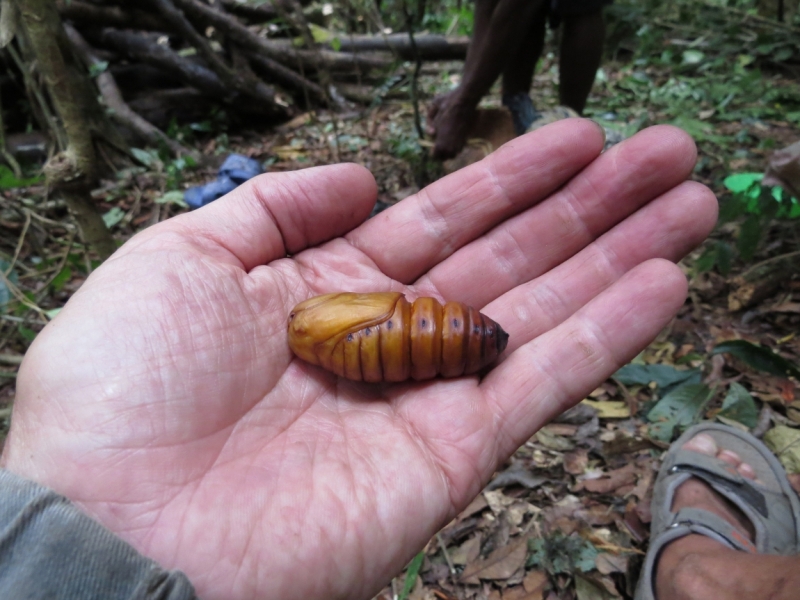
696 494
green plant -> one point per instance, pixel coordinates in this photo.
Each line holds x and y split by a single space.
755 205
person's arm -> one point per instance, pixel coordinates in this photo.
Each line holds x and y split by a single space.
50 549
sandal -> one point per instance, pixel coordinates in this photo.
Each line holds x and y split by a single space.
772 505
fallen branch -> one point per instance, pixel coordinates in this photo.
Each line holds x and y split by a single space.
84 13
121 112
429 47
229 26
144 48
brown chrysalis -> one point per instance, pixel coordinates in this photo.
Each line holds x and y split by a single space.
384 337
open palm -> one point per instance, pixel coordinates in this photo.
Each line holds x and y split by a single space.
165 402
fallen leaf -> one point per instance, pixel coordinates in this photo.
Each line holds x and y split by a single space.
553 442
785 443
609 409
610 481
565 429
517 474
575 462
500 564
497 500
592 589
611 563
467 552
535 581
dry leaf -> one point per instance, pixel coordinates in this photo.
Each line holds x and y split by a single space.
499 565
467 552
535 581
575 462
611 563
553 442
610 481
610 409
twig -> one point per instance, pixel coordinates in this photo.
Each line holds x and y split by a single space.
415 74
20 242
11 359
446 554
42 291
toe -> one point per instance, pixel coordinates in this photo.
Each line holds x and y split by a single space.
702 443
746 470
729 457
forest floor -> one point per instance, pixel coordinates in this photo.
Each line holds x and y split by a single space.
568 516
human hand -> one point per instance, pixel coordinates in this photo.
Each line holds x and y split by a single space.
164 400
448 121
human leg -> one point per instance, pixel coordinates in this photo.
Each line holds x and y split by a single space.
580 54
487 57
700 567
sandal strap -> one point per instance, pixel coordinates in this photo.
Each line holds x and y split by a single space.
721 476
703 522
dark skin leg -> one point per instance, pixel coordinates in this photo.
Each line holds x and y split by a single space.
496 40
518 74
581 50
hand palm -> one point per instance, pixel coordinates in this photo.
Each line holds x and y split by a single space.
165 401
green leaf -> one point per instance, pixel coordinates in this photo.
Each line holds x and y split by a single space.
739 406
664 376
707 260
411 575
785 443
62 278
98 68
113 217
680 408
149 159
27 334
693 57
749 236
758 357
740 183
8 180
51 314
336 44
173 197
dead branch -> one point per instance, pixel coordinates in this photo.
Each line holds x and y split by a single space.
248 86
429 46
121 112
231 27
87 14
144 48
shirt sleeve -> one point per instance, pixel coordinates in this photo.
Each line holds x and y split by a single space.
51 550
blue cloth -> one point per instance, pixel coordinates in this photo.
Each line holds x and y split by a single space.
234 171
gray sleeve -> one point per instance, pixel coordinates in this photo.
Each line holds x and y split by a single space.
51 550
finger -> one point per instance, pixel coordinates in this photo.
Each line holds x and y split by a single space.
614 186
669 228
280 213
416 234
551 373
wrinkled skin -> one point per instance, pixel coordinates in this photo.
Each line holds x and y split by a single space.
165 402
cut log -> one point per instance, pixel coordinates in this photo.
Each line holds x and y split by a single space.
429 47
762 280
